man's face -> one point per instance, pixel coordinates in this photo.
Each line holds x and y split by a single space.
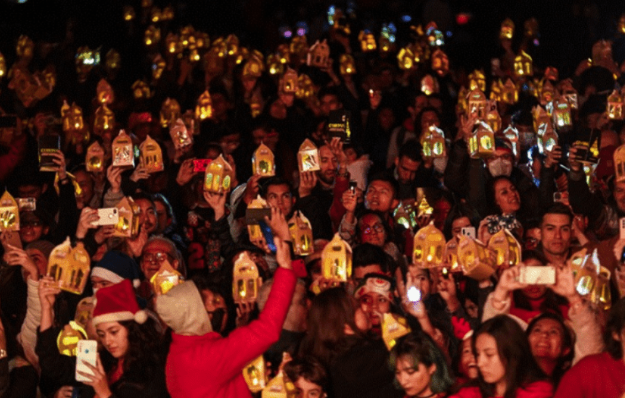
329 102
619 195
555 233
280 196
161 214
380 196
372 230
327 164
147 217
406 169
85 182
29 191
230 143
360 272
154 255
373 304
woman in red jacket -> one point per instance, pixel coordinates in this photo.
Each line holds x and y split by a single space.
506 366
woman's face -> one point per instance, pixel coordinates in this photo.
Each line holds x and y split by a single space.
458 224
415 382
489 363
547 339
114 337
468 364
507 197
421 280
307 389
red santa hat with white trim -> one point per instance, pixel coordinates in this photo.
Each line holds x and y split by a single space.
117 303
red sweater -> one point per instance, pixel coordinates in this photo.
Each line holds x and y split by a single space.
598 375
211 365
538 389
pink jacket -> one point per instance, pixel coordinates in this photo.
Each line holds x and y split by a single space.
211 365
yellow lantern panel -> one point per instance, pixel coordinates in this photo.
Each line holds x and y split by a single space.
308 157
263 162
165 279
255 375
367 41
170 111
289 82
523 65
506 247
123 153
68 338
246 279
347 65
69 267
429 247
482 141
336 260
218 176
476 260
318 54
507 29
94 160
204 107
151 156
433 143
615 106
128 224
302 234
9 213
393 328
180 135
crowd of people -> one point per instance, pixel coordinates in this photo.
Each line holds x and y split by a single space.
421 146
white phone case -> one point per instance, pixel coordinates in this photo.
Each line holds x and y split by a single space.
538 275
86 351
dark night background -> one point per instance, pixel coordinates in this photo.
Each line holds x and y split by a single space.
567 28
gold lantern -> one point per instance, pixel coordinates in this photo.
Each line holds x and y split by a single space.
299 47
507 29
218 176
512 134
347 65
393 328
158 66
495 90
9 213
68 338
25 47
140 90
547 138
170 111
255 375
112 60
506 247
569 93
204 106
440 62
463 103
301 234
167 14
245 279
202 40
493 119
129 13
405 58
256 105
429 85
562 113
288 82
586 269
253 67
336 260
429 247
180 135
69 267
619 163
105 92
621 24
123 152
308 157
151 156
173 43
104 120
152 36
477 81
72 118
482 141
509 92
433 142
615 106
305 87
404 215
279 387
253 230
477 103
367 41
601 294
232 43
274 67
155 14
476 260
94 160
3 66
318 54
165 278
284 55
263 162
540 117
523 65
451 255
423 207
128 224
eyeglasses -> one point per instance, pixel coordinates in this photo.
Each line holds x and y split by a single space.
157 257
377 228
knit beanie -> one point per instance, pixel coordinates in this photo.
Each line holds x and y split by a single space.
117 303
115 267
182 309
43 246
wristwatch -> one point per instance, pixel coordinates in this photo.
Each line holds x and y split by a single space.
3 353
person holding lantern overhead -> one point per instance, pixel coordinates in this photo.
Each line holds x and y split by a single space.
197 351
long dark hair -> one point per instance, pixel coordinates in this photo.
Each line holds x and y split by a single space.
325 338
144 358
615 325
515 355
564 362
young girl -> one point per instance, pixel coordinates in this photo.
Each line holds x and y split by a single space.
506 366
130 364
